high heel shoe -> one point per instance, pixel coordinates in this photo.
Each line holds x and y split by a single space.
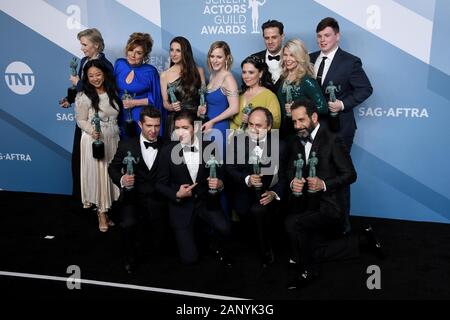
102 222
110 222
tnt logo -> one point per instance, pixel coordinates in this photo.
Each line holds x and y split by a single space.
19 77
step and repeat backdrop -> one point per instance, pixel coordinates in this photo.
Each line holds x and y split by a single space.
402 145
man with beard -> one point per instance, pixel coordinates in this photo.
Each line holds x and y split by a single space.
318 216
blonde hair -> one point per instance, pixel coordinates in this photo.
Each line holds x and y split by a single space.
226 50
300 54
140 39
93 36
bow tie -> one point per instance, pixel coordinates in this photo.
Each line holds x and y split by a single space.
153 144
190 149
304 140
277 57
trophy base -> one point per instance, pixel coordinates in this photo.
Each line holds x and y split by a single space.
334 122
297 194
71 94
130 128
312 191
288 115
212 191
258 193
213 201
129 188
98 149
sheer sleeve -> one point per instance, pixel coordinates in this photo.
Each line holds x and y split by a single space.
82 106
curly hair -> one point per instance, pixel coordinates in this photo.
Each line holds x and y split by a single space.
140 39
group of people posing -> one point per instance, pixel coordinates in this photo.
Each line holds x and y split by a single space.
164 134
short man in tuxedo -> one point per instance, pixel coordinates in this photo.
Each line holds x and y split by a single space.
345 70
273 34
247 200
139 200
184 180
315 225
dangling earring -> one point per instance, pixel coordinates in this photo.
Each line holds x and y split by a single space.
226 65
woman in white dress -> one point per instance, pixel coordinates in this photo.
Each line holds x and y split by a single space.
99 95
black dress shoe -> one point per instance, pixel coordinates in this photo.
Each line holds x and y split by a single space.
303 280
373 244
267 259
130 266
223 259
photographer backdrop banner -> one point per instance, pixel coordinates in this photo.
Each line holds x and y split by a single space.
402 144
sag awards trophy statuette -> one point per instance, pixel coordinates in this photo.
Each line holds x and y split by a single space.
72 91
129 126
312 162
288 89
247 109
298 171
171 92
128 160
98 147
212 164
334 121
201 93
256 161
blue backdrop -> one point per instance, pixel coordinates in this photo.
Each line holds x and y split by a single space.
402 140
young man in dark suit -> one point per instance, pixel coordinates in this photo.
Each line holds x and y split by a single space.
139 200
247 201
183 179
318 215
345 70
273 34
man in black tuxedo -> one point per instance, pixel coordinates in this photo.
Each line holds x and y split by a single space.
345 70
273 33
139 198
184 180
248 201
318 212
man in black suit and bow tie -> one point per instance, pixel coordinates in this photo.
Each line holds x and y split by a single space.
184 180
345 70
258 195
318 215
273 34
139 198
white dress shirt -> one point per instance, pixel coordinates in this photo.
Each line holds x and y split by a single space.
192 159
149 154
274 66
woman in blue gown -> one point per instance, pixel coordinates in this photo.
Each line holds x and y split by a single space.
139 80
222 98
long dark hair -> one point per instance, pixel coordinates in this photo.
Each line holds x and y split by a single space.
189 75
109 84
260 65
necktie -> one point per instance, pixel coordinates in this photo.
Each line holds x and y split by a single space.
153 144
320 71
277 57
190 149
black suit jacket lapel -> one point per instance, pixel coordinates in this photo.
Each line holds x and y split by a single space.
333 68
